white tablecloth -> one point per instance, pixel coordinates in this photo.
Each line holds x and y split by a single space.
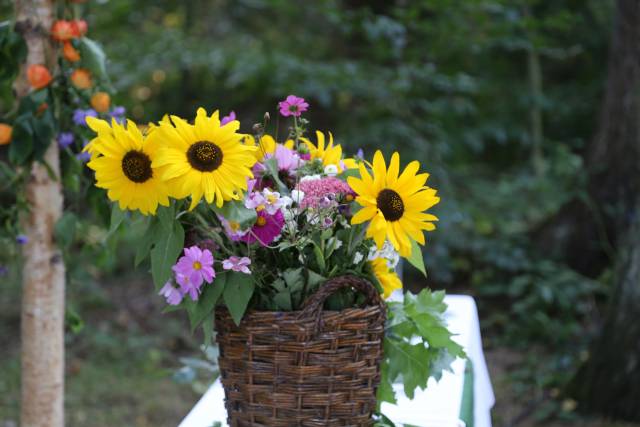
436 406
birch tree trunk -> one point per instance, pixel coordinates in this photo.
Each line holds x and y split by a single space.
42 320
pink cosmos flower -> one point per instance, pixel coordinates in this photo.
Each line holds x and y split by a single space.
266 228
232 229
266 200
316 191
288 160
226 119
172 294
236 263
194 268
293 106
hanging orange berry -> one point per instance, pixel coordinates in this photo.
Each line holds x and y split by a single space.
81 78
62 30
70 53
5 134
38 76
101 101
79 27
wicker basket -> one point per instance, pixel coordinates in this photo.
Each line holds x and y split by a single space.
307 368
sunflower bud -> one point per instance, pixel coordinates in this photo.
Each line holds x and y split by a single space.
5 134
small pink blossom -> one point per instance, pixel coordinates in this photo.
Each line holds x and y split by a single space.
236 263
226 119
266 228
172 294
317 191
293 106
232 229
288 160
194 268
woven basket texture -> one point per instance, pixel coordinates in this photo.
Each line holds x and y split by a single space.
305 368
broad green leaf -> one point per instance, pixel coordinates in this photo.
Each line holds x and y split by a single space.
199 310
93 58
235 210
319 256
294 279
145 240
117 216
385 389
168 246
411 361
237 294
416 258
21 146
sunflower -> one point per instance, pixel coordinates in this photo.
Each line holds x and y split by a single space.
386 276
329 154
394 204
204 159
122 159
267 145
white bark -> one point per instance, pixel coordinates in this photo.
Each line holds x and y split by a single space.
42 321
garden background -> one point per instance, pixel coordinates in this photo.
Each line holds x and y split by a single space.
500 100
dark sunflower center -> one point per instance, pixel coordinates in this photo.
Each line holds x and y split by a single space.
390 204
205 156
137 166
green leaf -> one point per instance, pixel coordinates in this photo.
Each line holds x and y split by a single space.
65 229
235 210
237 294
416 259
117 216
21 146
385 389
93 58
146 236
411 361
165 252
199 310
319 256
272 167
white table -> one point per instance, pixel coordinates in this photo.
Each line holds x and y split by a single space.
438 405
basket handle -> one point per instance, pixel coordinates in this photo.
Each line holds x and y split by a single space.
312 308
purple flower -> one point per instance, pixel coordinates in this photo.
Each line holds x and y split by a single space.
288 160
268 200
194 268
236 263
65 139
80 116
226 119
293 106
117 114
21 239
3 271
118 111
266 228
232 229
83 156
360 154
172 294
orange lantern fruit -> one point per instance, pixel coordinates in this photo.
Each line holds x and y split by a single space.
38 76
81 78
79 27
101 101
5 134
70 53
62 30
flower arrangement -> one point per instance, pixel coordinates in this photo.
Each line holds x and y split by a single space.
251 222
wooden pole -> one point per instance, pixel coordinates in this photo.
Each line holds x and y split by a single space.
42 323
